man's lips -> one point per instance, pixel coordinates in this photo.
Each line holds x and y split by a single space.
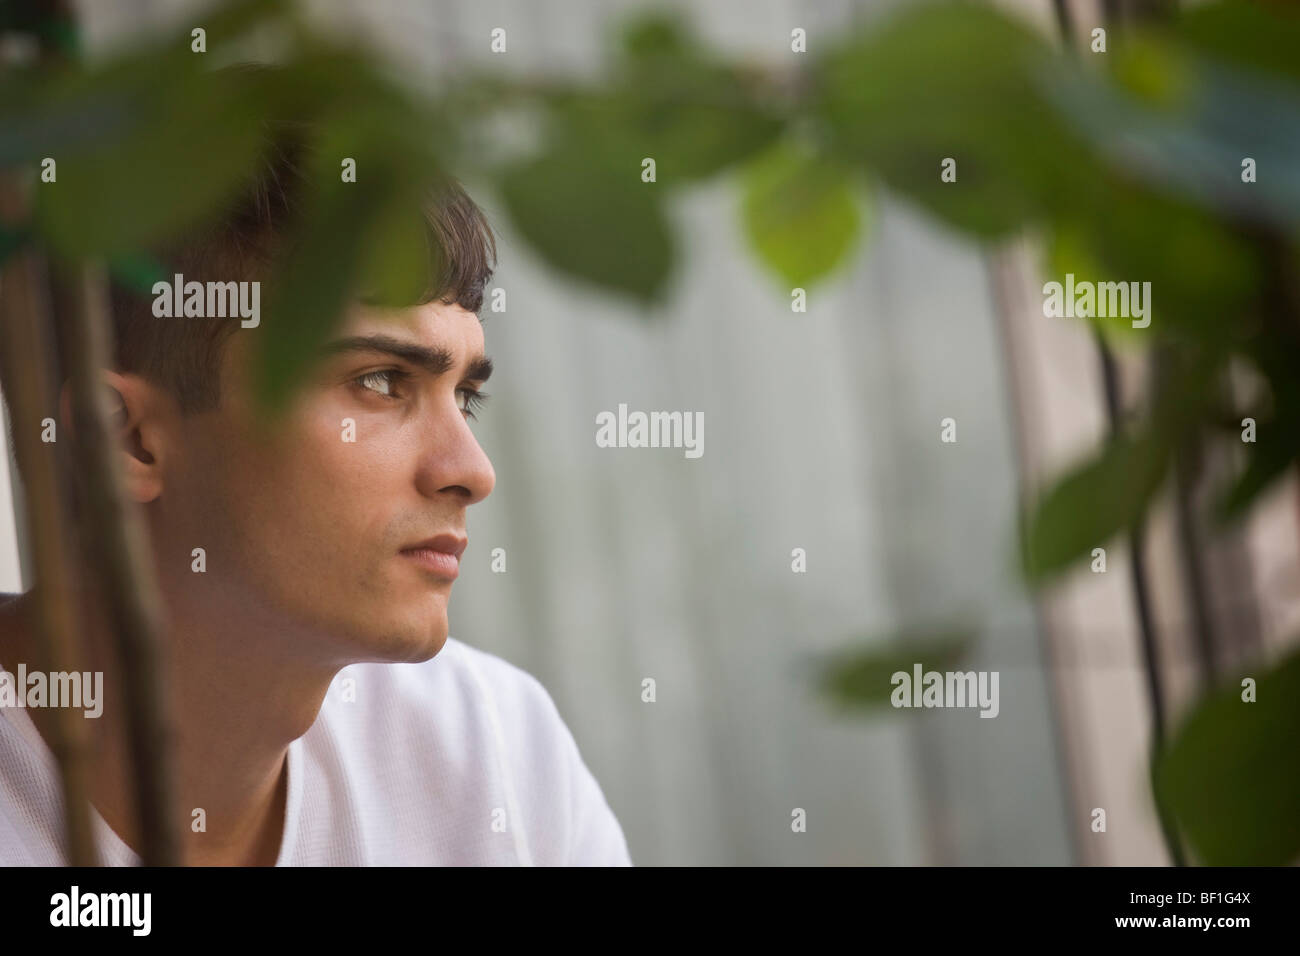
439 555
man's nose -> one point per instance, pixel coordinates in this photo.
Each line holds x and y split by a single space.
455 462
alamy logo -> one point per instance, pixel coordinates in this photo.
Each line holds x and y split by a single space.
651 430
58 689
946 689
1102 299
102 909
210 300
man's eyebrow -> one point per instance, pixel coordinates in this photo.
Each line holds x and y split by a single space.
435 361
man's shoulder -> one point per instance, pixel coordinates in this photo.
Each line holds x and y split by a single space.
483 665
526 711
566 813
473 716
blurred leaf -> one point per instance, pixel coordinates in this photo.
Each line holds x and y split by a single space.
11 240
954 80
1193 142
1230 774
693 122
1269 463
1067 252
22 17
1275 450
398 258
234 20
861 677
1110 491
667 98
143 143
54 24
1093 502
800 212
183 146
1204 276
343 88
592 222
312 289
655 35
50 115
1250 35
1153 71
363 239
137 272
394 141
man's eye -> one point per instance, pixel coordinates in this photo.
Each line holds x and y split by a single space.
473 399
386 378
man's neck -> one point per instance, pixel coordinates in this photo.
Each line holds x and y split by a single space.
234 710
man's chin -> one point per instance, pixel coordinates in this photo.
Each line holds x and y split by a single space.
404 639
412 648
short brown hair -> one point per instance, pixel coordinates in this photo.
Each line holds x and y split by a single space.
240 243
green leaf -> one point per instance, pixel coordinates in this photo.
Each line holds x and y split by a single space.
1265 467
861 677
137 272
656 34
364 241
1110 492
694 121
1273 453
1250 35
53 24
144 143
354 241
1069 252
1185 123
229 23
51 115
665 97
954 80
592 222
394 141
800 212
1203 276
398 261
186 145
311 291
1230 775
11 240
1094 502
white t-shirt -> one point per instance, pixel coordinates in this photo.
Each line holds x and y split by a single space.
462 760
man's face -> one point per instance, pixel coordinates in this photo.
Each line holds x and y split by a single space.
307 526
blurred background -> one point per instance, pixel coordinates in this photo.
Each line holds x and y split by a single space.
821 433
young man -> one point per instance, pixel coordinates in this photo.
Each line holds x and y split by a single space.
323 715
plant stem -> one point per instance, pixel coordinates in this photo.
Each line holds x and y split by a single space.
120 556
28 377
1136 537
1142 607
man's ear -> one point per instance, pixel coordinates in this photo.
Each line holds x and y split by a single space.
135 418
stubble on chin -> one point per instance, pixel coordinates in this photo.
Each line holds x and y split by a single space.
415 639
